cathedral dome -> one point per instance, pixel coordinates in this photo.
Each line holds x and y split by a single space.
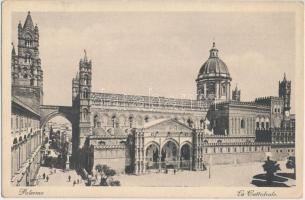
214 66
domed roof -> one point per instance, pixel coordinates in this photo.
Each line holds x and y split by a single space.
214 66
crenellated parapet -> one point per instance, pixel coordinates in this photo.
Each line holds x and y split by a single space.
149 102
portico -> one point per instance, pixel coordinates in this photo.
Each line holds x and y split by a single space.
163 144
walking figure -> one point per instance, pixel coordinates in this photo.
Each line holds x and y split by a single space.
77 181
47 178
44 175
69 178
174 171
74 183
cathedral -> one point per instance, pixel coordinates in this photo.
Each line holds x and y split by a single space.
142 134
139 134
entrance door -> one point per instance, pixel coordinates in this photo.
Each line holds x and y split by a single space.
152 156
169 153
185 156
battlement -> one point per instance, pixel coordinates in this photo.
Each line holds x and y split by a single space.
267 100
238 103
122 100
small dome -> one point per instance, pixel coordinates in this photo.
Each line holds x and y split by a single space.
214 66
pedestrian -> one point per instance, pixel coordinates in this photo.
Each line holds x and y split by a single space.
77 181
174 171
74 183
44 175
69 178
47 178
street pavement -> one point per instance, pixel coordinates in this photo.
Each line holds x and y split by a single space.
58 178
220 175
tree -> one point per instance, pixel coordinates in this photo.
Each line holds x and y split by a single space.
270 167
290 164
105 173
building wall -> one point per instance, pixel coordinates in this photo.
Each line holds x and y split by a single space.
26 138
238 118
234 153
115 158
110 117
109 150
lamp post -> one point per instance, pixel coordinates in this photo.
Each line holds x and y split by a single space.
210 165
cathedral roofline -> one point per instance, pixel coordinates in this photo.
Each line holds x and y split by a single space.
240 103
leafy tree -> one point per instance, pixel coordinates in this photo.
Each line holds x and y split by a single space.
105 173
270 167
290 164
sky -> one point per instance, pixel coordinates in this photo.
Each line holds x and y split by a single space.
160 53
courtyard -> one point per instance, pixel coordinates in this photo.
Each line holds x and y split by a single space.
219 175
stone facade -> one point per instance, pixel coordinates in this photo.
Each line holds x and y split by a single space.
143 133
26 142
27 95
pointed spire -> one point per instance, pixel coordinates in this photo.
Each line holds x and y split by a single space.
236 88
285 77
85 56
77 76
213 51
28 22
19 25
13 50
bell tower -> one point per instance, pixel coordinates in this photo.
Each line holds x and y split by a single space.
27 75
85 76
285 92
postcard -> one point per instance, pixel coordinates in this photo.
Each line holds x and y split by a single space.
170 99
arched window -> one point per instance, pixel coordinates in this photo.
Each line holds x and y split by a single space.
86 79
85 114
130 121
28 42
86 93
242 123
262 123
95 121
267 123
114 121
28 59
223 89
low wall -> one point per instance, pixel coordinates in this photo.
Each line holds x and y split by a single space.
234 158
282 153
